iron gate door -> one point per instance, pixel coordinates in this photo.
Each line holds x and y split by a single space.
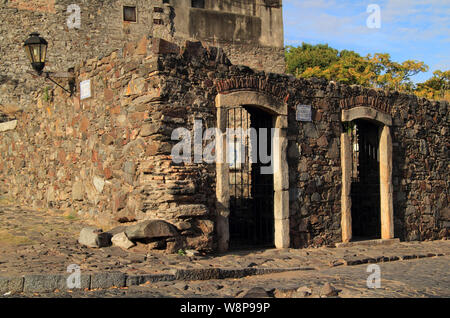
251 193
365 191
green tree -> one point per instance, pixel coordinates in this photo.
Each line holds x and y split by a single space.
395 75
351 68
299 59
437 87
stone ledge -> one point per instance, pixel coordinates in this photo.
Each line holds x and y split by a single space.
368 243
220 273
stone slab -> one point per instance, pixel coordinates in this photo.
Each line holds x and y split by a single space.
108 280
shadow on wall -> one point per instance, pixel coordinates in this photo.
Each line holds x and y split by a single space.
401 193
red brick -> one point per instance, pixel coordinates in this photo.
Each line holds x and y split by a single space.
94 156
84 124
138 116
62 156
108 94
108 173
115 110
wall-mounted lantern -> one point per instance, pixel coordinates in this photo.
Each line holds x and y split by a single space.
36 50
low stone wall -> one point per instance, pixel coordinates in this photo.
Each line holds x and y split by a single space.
107 158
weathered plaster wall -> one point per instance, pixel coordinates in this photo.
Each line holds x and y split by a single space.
249 31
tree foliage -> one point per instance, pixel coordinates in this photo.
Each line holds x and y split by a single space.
377 70
298 59
437 87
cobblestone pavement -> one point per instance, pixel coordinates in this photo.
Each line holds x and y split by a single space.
427 277
34 242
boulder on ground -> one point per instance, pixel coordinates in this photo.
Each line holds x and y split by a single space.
121 240
256 292
192 253
94 237
117 230
150 229
328 290
302 292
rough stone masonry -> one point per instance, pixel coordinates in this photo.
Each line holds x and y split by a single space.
251 32
109 157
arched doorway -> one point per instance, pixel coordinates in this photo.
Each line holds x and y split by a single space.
366 161
365 187
266 112
250 178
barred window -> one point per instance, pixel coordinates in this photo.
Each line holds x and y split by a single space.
198 4
129 14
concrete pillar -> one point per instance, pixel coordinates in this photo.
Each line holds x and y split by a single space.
222 183
281 184
281 209
346 200
386 188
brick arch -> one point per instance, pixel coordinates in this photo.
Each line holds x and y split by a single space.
278 108
257 99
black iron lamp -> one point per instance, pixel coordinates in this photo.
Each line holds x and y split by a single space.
36 50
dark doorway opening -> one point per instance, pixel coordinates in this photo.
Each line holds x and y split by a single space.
251 192
365 190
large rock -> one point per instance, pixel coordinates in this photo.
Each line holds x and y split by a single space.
117 230
93 237
121 240
256 292
328 290
150 229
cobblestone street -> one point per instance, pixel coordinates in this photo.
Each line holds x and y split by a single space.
224 150
412 278
32 244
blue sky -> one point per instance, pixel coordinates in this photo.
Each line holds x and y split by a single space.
410 29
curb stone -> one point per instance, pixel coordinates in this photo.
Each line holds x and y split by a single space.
220 273
50 282
134 280
107 280
11 284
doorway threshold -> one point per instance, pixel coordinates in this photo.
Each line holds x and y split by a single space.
369 242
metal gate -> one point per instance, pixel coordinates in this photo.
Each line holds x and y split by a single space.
251 193
365 190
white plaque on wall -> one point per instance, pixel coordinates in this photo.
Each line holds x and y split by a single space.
304 113
85 89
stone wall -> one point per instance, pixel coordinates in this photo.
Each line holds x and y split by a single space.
249 31
421 168
102 30
108 157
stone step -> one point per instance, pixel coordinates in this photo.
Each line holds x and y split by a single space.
369 243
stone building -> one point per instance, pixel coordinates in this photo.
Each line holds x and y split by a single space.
249 31
347 162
